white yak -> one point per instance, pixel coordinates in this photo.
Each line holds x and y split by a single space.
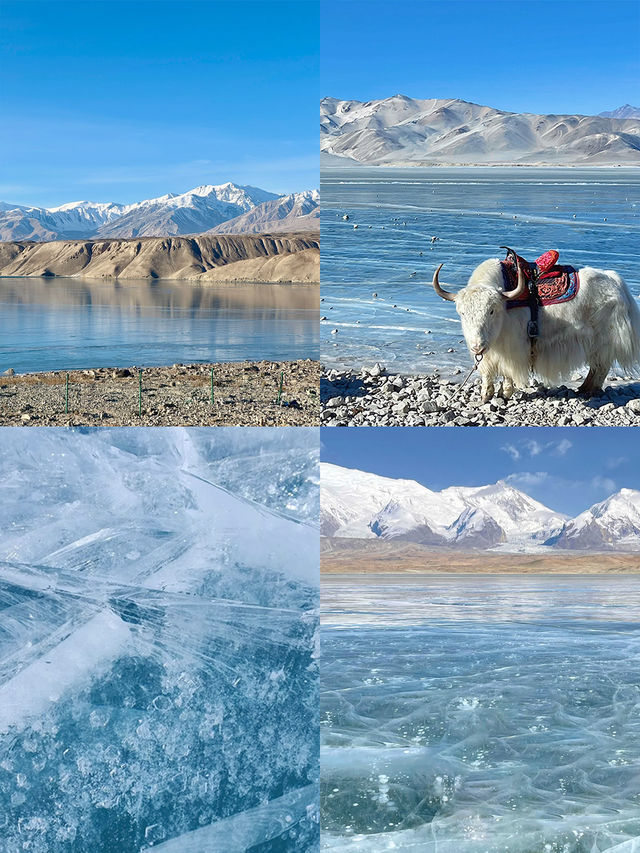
599 326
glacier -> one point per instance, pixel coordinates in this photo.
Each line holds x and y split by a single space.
158 640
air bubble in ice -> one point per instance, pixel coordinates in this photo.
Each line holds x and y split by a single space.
99 718
154 832
161 703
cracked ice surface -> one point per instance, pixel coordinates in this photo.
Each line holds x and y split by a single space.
158 616
496 715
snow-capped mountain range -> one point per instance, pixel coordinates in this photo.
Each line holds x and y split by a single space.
194 212
359 505
401 130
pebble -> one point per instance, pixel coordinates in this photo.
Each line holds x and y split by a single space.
375 397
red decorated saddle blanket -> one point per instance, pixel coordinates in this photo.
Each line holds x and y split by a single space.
555 283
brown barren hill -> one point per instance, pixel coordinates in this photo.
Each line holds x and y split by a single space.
232 257
359 556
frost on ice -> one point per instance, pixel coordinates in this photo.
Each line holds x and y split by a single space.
158 615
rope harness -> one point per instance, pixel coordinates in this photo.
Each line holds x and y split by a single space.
478 359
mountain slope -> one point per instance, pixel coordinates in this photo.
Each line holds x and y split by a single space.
401 130
192 212
298 211
258 257
609 525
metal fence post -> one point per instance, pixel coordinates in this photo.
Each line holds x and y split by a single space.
280 388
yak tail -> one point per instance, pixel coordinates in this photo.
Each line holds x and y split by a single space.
625 330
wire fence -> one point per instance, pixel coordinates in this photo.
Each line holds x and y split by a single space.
251 395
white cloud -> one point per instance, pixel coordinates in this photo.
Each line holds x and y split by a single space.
528 479
513 451
616 461
604 484
563 446
534 447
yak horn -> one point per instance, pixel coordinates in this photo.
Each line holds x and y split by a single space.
521 287
450 297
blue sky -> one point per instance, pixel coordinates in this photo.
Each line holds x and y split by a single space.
118 101
526 56
567 469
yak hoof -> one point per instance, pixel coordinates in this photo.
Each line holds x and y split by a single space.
589 391
507 390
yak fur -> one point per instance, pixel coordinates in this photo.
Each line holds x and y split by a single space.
599 326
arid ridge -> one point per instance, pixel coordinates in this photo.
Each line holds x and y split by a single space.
205 258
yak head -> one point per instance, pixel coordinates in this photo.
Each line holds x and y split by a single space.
482 305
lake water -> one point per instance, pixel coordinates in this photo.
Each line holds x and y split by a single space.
472 212
63 324
467 714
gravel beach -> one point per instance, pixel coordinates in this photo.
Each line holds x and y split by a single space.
244 394
373 397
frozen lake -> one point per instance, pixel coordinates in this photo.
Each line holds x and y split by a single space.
65 324
472 212
486 714
158 673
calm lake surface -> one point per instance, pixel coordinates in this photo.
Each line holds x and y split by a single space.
472 212
467 714
58 324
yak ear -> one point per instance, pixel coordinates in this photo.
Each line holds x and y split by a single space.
450 297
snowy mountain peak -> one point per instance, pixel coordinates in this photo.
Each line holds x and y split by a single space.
625 111
612 524
293 212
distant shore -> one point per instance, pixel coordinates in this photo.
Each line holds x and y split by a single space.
204 258
348 163
398 558
260 393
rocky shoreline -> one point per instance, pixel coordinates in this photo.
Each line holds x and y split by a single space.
373 397
244 394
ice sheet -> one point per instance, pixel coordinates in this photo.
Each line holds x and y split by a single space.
157 636
461 734
472 212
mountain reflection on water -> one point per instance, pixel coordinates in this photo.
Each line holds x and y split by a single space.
55 324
